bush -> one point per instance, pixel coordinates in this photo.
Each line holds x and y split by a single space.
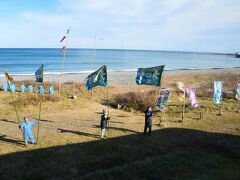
137 100
34 99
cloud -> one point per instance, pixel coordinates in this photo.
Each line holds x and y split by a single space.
140 24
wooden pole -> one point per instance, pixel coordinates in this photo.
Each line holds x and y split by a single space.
39 115
74 87
14 104
62 65
162 118
183 108
93 59
108 113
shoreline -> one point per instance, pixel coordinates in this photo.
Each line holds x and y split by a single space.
118 77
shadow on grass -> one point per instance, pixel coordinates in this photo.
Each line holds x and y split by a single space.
171 153
78 133
6 139
5 120
117 128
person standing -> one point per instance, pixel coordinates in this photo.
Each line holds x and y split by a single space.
103 125
27 132
148 121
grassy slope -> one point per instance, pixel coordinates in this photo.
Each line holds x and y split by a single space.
69 144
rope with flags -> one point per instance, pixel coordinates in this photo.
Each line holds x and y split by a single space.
64 50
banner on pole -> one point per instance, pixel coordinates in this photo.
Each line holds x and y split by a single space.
217 97
39 74
238 91
192 97
97 78
181 86
8 77
150 76
162 100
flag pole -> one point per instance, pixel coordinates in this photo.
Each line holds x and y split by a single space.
63 62
39 115
93 59
183 108
108 113
14 103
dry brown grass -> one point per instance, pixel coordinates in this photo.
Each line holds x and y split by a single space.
25 100
137 100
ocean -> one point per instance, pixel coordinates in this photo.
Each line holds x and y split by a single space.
25 61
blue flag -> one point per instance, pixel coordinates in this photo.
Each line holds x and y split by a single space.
150 76
98 78
217 98
39 74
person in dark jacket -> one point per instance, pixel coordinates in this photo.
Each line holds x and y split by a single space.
104 119
148 120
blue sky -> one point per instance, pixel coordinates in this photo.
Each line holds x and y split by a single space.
187 25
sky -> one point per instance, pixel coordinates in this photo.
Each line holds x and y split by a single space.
175 25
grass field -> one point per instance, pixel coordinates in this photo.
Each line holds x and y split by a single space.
69 146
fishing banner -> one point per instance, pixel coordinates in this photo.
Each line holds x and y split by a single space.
8 77
192 97
39 74
162 100
181 86
150 76
217 98
98 78
238 92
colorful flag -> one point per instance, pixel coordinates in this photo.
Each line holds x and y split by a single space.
162 100
217 98
238 92
8 77
63 48
39 74
150 76
98 78
192 97
64 37
181 86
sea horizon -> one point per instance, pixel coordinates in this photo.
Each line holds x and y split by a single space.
25 61
126 49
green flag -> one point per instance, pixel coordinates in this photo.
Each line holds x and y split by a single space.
98 78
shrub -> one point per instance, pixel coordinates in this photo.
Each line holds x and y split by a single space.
137 100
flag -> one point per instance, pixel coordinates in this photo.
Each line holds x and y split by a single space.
162 100
150 76
39 74
97 78
217 98
8 77
192 97
64 37
238 92
63 48
181 86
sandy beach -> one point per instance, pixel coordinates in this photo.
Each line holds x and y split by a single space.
121 78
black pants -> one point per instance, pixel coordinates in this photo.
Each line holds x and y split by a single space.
146 127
